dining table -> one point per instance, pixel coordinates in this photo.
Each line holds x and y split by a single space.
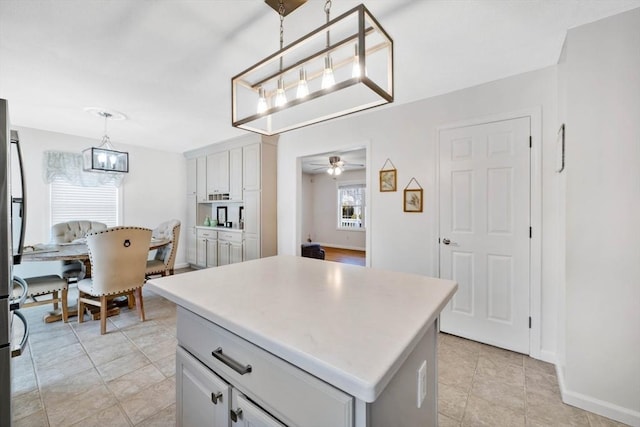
73 251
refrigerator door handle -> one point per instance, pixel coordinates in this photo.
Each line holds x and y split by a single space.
16 303
23 343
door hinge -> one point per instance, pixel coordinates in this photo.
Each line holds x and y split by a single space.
530 232
530 141
529 322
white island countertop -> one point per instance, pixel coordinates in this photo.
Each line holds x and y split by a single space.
350 326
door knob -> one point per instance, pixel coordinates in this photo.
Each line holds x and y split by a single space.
447 242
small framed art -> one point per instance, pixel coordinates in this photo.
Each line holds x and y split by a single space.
413 200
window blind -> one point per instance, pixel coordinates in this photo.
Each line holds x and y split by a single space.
72 202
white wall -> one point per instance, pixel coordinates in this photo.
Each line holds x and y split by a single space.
319 210
602 369
407 135
153 191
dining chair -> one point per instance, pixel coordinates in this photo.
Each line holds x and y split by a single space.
165 257
118 258
53 284
68 232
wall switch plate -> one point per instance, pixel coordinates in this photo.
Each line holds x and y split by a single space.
422 383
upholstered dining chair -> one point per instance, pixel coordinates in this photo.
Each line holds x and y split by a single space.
68 232
118 259
165 257
53 284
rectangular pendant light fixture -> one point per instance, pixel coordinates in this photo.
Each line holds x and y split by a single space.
340 68
98 159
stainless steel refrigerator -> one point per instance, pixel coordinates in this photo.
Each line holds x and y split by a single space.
12 227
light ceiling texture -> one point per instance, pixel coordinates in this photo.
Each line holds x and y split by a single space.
168 64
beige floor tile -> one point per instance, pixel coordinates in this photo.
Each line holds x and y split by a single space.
542 383
123 365
26 404
479 412
502 356
134 382
456 369
164 418
23 376
37 419
167 365
149 401
160 349
110 417
444 421
596 420
545 409
64 368
109 352
500 393
69 387
452 401
461 344
54 353
538 365
80 407
497 370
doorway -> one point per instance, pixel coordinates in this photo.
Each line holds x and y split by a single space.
485 231
333 204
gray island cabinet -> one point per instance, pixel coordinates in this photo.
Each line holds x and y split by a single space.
292 341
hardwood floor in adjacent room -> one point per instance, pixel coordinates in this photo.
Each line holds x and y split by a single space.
345 256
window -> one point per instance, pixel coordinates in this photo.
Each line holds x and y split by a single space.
351 204
74 202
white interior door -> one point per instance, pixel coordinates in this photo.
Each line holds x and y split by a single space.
485 231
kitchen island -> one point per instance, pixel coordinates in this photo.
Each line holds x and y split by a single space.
302 342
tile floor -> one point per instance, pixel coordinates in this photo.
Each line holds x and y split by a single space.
70 375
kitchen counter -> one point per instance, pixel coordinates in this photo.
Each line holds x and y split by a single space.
351 326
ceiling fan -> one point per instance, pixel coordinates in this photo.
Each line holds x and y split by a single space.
336 166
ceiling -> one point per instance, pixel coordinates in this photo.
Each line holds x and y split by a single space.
354 159
167 64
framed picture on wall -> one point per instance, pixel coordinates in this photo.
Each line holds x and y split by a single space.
388 180
221 214
413 200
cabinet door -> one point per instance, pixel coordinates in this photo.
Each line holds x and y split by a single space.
245 413
201 179
192 208
191 245
224 255
251 167
235 253
235 174
251 247
192 177
212 252
252 212
201 252
202 399
218 172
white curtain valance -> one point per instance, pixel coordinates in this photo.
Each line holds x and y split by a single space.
68 166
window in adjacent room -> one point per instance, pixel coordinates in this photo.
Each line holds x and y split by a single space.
351 206
71 202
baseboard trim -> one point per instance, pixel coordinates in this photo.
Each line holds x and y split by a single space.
548 356
597 406
181 265
333 245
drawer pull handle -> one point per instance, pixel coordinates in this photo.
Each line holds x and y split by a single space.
234 415
238 367
215 397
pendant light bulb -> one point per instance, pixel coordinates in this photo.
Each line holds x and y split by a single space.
356 72
281 97
327 76
337 171
262 101
303 87
330 171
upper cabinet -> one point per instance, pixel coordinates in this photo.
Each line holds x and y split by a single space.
251 164
218 173
191 177
235 174
201 179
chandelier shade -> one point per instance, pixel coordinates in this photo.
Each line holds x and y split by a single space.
343 67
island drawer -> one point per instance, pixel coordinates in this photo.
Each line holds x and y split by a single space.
289 393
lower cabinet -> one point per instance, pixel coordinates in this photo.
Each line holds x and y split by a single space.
206 248
204 399
191 245
229 248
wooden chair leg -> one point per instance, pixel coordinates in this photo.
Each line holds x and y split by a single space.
80 308
54 296
131 301
65 306
103 315
139 303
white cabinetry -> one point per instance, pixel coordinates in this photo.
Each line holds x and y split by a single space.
218 173
192 177
206 248
229 247
235 174
201 179
245 413
190 227
251 160
203 399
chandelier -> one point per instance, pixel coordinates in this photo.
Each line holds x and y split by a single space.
105 158
344 66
